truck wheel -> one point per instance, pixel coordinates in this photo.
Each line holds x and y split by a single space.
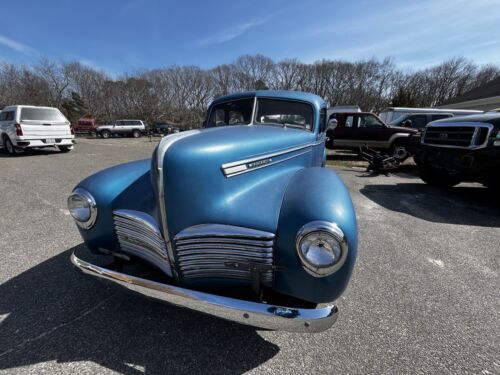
65 148
437 178
106 134
136 134
399 151
7 144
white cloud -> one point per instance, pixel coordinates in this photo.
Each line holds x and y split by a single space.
231 33
16 46
416 34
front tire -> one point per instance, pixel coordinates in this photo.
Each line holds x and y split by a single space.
136 134
399 151
106 134
437 178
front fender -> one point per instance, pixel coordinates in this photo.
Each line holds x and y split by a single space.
125 186
313 194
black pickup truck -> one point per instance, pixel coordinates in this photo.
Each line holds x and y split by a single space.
461 149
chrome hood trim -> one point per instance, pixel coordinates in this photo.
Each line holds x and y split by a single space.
247 165
163 147
249 313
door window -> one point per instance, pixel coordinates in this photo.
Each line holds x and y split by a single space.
322 120
370 121
418 121
439 117
9 116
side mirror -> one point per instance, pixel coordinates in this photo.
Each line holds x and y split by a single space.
407 123
332 124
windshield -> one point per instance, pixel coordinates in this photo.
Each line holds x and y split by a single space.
237 112
284 112
42 114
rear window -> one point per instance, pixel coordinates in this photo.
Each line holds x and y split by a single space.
42 114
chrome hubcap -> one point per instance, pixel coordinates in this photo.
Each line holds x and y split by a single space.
400 152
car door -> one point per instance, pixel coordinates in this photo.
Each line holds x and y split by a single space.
119 127
344 134
371 131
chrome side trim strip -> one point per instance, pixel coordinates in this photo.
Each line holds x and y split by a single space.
163 147
240 311
251 164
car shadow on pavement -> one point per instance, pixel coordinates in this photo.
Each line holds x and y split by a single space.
52 313
464 205
31 152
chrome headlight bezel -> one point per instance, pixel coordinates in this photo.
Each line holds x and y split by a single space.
85 196
329 231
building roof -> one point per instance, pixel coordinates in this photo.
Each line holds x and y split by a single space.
487 90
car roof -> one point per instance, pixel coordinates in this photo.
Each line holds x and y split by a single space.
26 106
279 94
493 118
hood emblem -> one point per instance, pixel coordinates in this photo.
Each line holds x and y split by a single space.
259 163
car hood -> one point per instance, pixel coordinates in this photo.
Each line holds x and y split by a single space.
403 129
196 190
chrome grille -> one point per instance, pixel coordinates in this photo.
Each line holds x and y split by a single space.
469 136
138 233
224 251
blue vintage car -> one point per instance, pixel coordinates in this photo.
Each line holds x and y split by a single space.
241 217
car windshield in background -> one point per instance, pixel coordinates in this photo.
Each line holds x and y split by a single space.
42 114
238 112
287 113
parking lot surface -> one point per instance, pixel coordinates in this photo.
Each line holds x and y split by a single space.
424 296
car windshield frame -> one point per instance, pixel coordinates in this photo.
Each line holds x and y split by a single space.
253 118
283 123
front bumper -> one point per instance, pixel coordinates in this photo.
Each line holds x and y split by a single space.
244 312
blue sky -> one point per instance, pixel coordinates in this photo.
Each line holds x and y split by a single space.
122 36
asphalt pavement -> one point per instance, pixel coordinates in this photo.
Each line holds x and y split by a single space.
423 299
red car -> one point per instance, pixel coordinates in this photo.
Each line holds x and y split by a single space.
86 126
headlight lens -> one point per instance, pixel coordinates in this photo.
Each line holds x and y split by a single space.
321 247
83 208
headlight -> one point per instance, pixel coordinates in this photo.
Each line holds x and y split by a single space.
321 247
83 208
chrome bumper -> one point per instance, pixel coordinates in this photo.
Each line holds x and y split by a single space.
244 312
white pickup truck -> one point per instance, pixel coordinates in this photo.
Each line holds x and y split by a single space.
23 126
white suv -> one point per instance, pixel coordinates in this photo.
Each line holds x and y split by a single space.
23 126
134 128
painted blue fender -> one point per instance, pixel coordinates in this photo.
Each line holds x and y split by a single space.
123 186
313 194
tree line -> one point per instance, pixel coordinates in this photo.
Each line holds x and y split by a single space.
181 94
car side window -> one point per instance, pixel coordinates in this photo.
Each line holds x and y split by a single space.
322 120
9 116
439 117
3 116
418 121
370 121
349 121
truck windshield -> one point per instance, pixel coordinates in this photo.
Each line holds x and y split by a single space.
237 112
42 114
285 113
